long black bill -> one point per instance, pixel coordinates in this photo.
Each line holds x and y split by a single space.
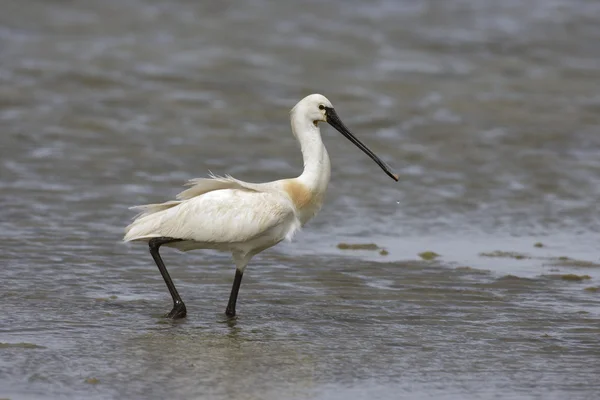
336 122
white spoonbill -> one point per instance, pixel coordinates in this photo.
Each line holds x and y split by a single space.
227 214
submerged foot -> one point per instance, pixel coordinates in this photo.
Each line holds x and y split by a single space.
178 311
230 312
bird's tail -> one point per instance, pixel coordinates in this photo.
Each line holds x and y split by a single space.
146 225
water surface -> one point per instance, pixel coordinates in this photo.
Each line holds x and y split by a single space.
488 110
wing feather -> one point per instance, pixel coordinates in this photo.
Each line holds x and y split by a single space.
219 216
200 186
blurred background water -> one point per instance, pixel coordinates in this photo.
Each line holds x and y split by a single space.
488 110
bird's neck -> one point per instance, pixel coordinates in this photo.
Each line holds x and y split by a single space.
317 168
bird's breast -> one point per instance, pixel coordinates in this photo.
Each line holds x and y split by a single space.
306 201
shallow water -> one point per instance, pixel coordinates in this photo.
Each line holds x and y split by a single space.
488 110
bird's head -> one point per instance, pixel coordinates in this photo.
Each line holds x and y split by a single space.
317 108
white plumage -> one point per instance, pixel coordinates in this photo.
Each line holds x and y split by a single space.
244 218
220 213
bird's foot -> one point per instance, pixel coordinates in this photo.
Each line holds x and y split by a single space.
230 312
178 311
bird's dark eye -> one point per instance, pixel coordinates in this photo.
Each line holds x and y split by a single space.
321 107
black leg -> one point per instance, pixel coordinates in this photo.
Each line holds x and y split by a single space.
230 311
178 310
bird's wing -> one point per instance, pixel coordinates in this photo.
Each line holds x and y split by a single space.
221 217
199 186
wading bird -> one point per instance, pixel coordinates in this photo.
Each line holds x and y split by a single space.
227 214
